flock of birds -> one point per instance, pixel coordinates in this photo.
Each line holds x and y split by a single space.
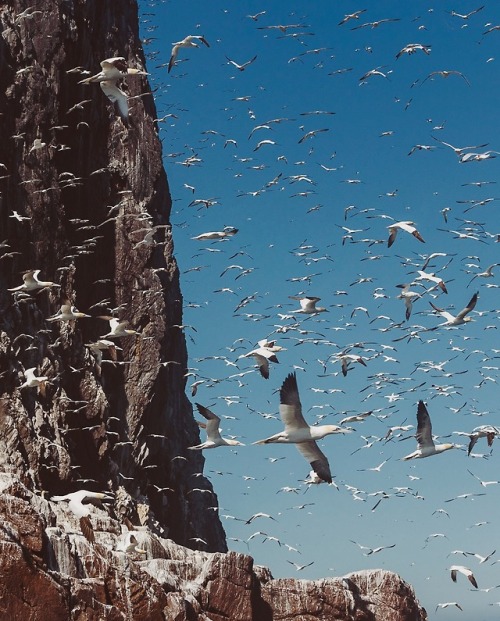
366 335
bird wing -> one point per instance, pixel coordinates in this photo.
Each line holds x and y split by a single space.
392 236
116 95
290 407
87 528
317 459
424 427
212 427
470 306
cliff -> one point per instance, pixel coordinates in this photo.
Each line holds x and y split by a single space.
85 200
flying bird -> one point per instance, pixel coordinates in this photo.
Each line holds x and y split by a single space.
214 439
465 571
298 432
244 65
308 305
455 320
405 225
426 446
78 504
31 282
189 41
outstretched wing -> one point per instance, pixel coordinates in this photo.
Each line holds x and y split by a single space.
317 459
290 406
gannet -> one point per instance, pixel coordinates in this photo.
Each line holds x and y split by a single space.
298 432
33 381
411 48
117 328
214 439
460 318
67 312
78 503
189 41
114 70
405 225
484 431
32 283
408 297
308 305
432 278
265 353
346 359
228 231
488 273
426 446
244 65
129 544
465 571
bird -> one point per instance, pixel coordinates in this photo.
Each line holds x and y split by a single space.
346 359
448 604
67 312
408 297
113 70
214 439
129 544
485 431
298 432
117 328
244 65
78 503
189 41
460 318
405 225
445 74
263 356
411 48
432 278
426 446
34 381
32 283
488 273
350 16
465 571
308 305
228 231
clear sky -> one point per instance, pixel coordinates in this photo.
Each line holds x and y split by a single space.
312 215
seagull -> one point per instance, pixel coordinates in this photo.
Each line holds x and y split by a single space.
460 318
308 305
78 503
244 65
189 41
32 283
465 571
426 446
214 439
405 225
298 432
67 312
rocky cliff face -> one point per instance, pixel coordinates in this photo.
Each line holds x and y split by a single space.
85 200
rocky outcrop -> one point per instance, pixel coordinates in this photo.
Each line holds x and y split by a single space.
85 200
79 192
47 564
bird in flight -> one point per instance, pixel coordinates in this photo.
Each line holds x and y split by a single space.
244 65
455 320
426 446
214 439
189 41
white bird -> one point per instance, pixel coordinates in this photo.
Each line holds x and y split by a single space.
455 320
298 432
228 231
408 297
244 65
488 273
263 356
214 439
411 48
189 41
129 544
115 94
117 328
34 381
346 359
465 571
447 604
484 431
308 305
31 282
78 503
432 278
67 312
426 446
405 225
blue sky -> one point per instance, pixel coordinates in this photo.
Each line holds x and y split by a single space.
290 240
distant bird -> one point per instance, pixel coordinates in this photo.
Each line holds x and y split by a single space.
31 282
298 432
228 231
484 431
455 320
405 225
426 446
408 297
34 381
78 503
189 41
376 24
446 74
244 65
488 273
67 312
350 16
263 356
432 278
466 15
465 571
300 567
308 305
411 48
214 439
448 604
346 359
117 328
